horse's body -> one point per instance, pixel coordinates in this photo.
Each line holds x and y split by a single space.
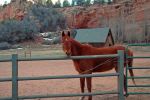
87 66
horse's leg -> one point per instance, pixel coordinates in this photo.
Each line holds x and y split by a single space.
130 64
89 86
82 85
125 85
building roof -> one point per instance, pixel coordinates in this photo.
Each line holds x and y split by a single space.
94 35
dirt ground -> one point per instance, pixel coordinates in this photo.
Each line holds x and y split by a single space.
49 68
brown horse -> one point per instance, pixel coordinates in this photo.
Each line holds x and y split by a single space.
86 66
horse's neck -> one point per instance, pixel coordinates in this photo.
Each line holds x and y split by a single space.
76 48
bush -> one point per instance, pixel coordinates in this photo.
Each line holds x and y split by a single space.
47 42
56 40
14 31
48 19
4 46
38 19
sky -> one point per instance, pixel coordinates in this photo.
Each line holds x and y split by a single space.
3 1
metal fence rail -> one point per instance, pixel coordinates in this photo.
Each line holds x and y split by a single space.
63 58
137 68
60 77
15 77
141 44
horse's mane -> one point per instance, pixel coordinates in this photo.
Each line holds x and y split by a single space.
79 44
76 43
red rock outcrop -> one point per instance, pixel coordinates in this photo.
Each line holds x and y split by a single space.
88 17
15 10
98 15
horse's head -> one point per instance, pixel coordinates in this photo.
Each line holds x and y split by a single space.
66 43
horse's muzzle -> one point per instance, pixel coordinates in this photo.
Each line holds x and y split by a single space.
68 54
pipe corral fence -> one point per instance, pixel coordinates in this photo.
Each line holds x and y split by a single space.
15 77
137 68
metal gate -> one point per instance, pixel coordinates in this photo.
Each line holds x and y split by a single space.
15 78
138 68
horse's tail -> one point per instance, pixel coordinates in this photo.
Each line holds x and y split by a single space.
130 64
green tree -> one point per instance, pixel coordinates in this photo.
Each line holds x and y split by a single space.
102 1
40 2
87 2
57 4
73 3
80 2
12 34
38 19
109 1
5 4
49 3
99 2
66 3
95 2
48 19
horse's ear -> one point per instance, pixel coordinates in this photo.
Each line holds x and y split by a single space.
63 34
68 33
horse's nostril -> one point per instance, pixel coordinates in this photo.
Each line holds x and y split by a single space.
67 53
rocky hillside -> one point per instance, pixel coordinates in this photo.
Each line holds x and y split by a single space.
124 18
95 15
16 9
127 19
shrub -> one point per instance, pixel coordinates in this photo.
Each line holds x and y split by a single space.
48 19
13 31
38 19
4 46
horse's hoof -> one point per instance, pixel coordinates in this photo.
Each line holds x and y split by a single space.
82 98
126 94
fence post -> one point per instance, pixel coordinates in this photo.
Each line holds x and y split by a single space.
14 77
121 74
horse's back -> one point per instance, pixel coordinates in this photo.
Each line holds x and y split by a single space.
101 64
109 50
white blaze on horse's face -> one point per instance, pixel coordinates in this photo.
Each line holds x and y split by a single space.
67 47
66 43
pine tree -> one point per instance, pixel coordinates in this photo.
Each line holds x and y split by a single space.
5 4
80 2
49 3
96 2
109 1
66 3
88 2
40 2
102 1
57 4
73 3
99 2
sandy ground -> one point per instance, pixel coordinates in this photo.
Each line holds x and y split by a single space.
49 68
